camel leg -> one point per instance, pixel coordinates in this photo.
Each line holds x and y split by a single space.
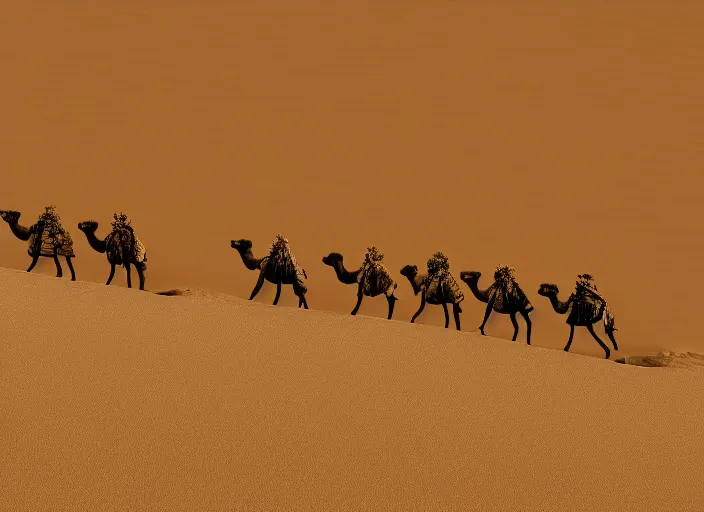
610 334
603 345
301 293
569 341
278 294
59 270
128 269
140 272
112 273
515 326
447 315
489 307
258 286
420 309
392 302
35 259
360 296
529 324
302 300
456 309
70 267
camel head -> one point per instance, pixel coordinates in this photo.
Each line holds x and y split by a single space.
242 245
470 275
546 290
332 259
410 271
10 216
89 226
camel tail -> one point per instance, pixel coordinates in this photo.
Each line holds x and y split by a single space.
609 321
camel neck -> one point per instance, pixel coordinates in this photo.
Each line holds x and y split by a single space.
481 295
249 260
20 231
345 275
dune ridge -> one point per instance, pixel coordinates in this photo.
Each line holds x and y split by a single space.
118 399
663 358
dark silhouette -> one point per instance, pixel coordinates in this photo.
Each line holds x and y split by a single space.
373 278
503 296
46 238
121 246
278 267
437 286
586 307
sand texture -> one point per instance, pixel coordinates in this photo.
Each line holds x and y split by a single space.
555 137
116 399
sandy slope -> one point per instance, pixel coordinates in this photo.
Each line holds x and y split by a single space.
115 399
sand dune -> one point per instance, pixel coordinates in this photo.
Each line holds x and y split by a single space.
116 399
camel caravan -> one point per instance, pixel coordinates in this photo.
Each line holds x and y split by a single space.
436 285
48 238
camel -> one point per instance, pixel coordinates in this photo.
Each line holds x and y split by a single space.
586 308
372 277
121 246
46 238
278 267
437 286
504 296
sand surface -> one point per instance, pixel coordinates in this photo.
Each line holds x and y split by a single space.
558 139
116 399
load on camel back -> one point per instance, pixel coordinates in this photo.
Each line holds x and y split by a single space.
441 287
586 303
284 263
374 277
47 237
123 244
505 291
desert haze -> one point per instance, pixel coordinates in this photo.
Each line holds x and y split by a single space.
558 139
